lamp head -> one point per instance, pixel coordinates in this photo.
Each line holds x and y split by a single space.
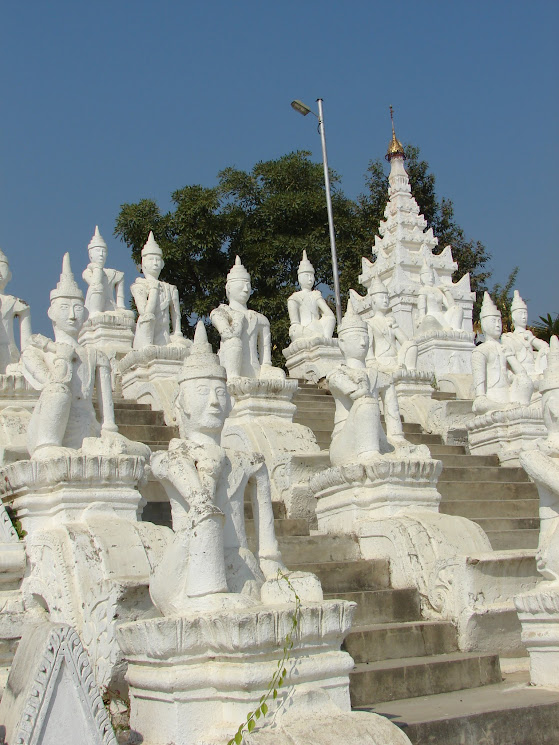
301 107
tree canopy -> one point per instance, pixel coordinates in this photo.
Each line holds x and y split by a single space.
268 216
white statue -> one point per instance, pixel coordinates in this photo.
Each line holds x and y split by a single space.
499 380
358 433
209 563
11 308
309 314
389 344
530 351
66 374
105 290
246 345
157 302
436 306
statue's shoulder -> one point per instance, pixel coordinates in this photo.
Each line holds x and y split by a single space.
114 275
221 310
295 296
260 318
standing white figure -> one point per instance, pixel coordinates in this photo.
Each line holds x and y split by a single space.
157 302
499 380
389 345
66 374
11 308
246 345
309 314
530 351
105 290
436 306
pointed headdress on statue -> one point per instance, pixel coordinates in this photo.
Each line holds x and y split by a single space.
518 303
67 286
305 265
201 362
97 241
238 272
488 307
377 286
151 247
351 321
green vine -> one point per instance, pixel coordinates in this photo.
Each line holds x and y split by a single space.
278 678
21 533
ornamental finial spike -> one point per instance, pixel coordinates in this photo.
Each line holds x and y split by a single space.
395 147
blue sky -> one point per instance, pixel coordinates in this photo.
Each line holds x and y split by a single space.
110 101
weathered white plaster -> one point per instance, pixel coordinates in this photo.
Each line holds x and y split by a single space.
157 302
149 376
51 697
246 347
11 308
530 351
312 358
506 432
539 610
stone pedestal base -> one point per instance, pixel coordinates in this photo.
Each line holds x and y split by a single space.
88 557
506 433
262 421
48 493
194 679
538 612
312 359
150 375
413 383
445 418
348 495
443 352
16 391
112 332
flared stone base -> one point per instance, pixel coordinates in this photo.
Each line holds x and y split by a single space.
312 359
150 376
112 332
445 351
194 679
506 433
538 612
348 495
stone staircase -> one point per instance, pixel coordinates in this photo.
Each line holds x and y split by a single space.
503 501
406 668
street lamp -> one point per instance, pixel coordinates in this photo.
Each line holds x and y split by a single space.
303 109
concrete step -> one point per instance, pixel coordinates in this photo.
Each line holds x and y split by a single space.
124 403
509 539
389 680
482 490
443 396
147 432
424 439
297 549
438 450
485 473
477 508
388 641
451 461
508 713
157 445
135 416
285 528
382 606
508 523
348 576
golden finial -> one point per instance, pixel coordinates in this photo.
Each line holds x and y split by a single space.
395 147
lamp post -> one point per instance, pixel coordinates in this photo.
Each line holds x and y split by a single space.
303 109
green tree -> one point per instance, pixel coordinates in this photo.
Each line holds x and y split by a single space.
502 297
547 327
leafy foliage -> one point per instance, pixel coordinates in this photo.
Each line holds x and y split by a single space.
502 297
547 327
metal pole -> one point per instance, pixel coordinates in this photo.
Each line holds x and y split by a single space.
330 213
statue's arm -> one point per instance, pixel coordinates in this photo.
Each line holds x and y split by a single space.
105 393
119 289
421 306
340 382
23 312
34 361
325 309
175 310
293 310
265 342
222 322
146 299
479 373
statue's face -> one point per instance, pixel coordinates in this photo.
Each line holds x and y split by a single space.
204 404
354 344
492 326
152 264
427 277
306 280
98 255
68 315
238 290
520 318
381 301
5 274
